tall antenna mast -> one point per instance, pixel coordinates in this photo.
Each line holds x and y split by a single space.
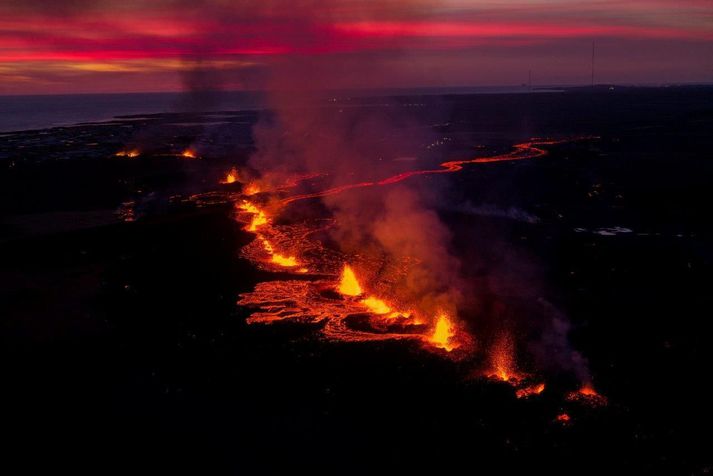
592 63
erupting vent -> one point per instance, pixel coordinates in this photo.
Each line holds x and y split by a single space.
230 177
443 334
348 308
348 284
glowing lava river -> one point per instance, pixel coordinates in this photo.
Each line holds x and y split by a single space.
350 296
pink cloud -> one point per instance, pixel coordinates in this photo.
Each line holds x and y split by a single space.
34 31
440 29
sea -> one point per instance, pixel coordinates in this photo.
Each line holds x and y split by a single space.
19 113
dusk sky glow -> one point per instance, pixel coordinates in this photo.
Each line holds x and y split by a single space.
125 46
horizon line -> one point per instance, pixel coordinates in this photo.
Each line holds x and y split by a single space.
394 88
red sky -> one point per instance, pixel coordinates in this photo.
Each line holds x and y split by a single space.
67 46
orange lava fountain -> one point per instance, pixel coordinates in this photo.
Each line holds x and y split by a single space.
231 176
444 334
502 360
189 154
348 284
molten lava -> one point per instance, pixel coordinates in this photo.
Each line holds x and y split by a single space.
586 394
251 189
259 217
503 361
376 305
524 151
341 315
444 334
277 258
132 153
588 390
286 261
382 308
530 390
189 154
348 284
231 176
563 418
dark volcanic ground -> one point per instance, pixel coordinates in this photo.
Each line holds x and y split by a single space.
123 350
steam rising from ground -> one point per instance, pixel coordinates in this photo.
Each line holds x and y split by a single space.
307 131
405 256
409 232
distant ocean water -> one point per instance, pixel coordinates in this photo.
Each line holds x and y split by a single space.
19 113
40 112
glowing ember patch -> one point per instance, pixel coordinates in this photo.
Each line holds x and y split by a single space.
588 395
443 334
230 177
128 153
530 391
259 219
189 154
564 418
503 361
376 305
251 189
348 284
588 390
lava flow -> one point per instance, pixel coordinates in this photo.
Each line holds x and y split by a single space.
334 298
444 334
527 150
286 261
530 390
354 313
259 218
